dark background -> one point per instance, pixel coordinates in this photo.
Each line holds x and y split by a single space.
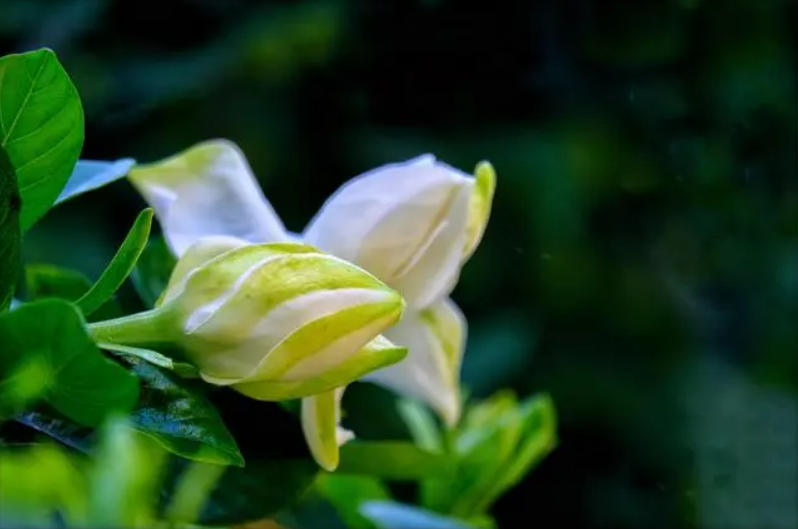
641 263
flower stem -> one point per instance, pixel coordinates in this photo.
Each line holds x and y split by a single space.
136 329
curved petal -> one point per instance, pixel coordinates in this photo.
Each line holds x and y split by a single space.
404 222
435 339
209 189
320 416
195 256
479 206
377 354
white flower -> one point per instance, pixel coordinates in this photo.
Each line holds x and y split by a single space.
413 225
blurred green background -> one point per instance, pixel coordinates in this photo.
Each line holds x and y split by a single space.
641 263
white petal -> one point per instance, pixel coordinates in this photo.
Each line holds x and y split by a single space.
436 339
320 416
208 189
405 223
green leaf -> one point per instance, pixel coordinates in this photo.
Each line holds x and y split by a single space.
123 478
192 490
84 385
538 439
120 266
63 430
170 411
393 460
278 467
49 281
183 369
180 418
41 128
153 270
37 483
89 175
10 234
348 493
421 424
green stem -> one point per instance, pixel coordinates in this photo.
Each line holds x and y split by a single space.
136 329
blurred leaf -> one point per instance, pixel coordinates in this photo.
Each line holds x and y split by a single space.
45 487
48 281
85 385
153 269
496 444
37 482
393 515
73 435
123 479
41 128
348 493
538 439
10 235
421 423
120 266
478 464
393 460
193 489
90 175
180 418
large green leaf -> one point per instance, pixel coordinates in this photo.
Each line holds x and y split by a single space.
89 175
49 281
120 266
180 418
10 236
84 385
41 128
170 411
393 460
153 269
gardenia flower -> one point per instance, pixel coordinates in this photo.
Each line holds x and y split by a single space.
412 224
273 321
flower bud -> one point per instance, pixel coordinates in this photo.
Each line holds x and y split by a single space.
411 224
273 321
435 338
